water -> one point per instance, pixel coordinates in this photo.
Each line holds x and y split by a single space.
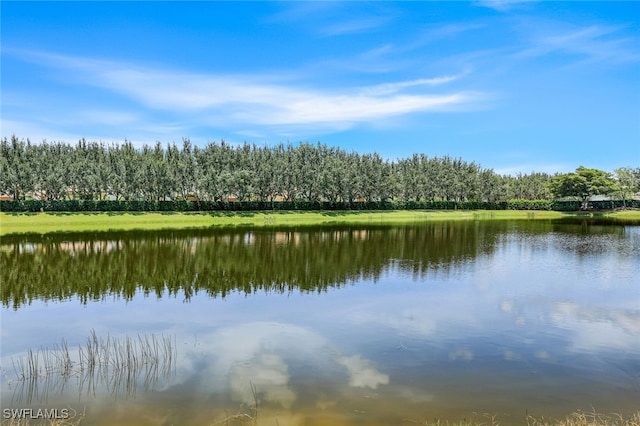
386 325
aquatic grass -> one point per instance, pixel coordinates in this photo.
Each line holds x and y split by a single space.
592 418
246 413
578 418
116 362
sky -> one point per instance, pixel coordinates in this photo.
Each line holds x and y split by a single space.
518 86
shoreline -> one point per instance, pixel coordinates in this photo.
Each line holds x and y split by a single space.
69 222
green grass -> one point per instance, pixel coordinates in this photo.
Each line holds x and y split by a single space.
45 223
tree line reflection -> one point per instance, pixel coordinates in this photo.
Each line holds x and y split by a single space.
92 267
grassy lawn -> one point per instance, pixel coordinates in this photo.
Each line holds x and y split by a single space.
44 223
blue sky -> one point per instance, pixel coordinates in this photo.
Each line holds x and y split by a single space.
515 86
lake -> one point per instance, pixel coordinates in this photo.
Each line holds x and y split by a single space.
324 326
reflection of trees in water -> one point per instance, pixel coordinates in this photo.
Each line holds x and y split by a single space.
118 366
588 239
219 262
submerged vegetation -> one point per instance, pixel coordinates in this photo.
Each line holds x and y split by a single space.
577 418
117 363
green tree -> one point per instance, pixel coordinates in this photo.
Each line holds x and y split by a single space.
583 183
628 182
52 168
264 180
308 169
17 167
331 176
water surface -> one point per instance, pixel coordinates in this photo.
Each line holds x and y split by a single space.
382 325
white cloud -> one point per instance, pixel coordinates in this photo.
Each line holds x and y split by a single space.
362 374
544 355
462 354
294 12
502 5
256 354
329 19
258 100
442 31
390 88
506 306
270 377
354 26
337 109
138 133
595 328
594 43
109 117
246 101
37 131
378 52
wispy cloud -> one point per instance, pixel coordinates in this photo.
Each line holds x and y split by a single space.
379 51
294 12
328 19
362 373
389 88
354 26
594 43
246 100
442 31
503 5
109 117
35 131
139 133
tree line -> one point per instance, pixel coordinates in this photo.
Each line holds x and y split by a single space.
307 172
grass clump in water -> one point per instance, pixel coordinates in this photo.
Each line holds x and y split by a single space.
117 363
581 418
578 418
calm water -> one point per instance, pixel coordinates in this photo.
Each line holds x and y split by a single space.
329 326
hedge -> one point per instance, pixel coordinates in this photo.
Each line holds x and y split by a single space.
192 206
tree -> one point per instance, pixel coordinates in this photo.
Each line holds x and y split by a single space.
331 176
583 183
490 186
628 182
263 164
307 171
53 169
17 167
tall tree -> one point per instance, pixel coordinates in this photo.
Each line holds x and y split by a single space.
583 183
53 167
628 182
18 167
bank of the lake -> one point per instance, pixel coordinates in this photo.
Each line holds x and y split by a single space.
45 223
